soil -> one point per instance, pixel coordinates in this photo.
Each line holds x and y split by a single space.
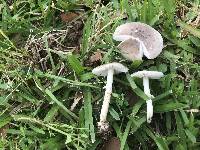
112 144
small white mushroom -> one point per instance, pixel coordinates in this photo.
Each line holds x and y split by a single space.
107 70
146 40
146 75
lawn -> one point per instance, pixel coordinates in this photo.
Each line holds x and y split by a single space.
51 100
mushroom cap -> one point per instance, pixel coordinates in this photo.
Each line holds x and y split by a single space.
148 74
151 38
131 49
103 69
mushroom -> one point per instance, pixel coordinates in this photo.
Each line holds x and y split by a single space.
107 70
146 75
138 39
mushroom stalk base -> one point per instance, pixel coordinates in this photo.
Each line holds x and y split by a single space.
106 101
149 110
149 102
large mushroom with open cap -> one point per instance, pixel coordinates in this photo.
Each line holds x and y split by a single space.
146 75
107 70
138 39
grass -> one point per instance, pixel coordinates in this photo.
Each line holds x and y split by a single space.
45 64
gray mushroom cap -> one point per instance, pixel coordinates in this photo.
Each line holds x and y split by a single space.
149 74
151 38
130 49
103 69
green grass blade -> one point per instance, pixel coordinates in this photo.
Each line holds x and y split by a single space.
136 89
170 106
190 136
71 82
86 35
88 113
51 113
160 141
125 135
114 113
4 119
54 99
75 64
137 122
180 130
189 28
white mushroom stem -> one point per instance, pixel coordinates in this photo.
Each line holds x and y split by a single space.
149 110
146 86
108 92
149 101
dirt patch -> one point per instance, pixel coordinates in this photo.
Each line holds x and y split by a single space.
48 45
112 144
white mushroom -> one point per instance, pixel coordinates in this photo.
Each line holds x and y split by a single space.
107 70
146 75
145 40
